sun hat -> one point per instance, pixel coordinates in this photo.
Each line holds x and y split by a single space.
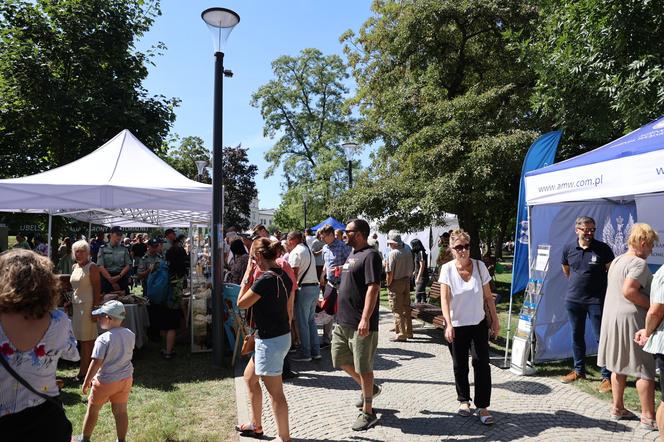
393 237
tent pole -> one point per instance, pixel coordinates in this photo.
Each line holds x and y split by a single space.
89 231
48 238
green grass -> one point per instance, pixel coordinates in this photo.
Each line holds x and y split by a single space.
182 399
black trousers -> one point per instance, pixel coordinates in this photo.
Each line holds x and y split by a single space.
474 339
44 422
107 287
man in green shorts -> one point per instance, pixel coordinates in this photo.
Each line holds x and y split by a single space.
355 337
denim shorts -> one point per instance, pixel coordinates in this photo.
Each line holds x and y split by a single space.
269 355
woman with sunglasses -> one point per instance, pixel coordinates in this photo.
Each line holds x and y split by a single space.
268 299
465 291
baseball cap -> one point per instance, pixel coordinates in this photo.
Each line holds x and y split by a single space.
393 237
116 229
154 242
114 309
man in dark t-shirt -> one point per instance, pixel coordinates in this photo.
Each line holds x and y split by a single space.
355 337
585 262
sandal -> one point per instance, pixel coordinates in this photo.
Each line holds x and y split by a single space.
464 409
486 419
618 415
249 430
648 424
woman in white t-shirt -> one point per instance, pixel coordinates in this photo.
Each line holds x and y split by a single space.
464 290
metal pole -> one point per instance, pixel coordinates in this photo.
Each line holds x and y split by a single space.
305 214
48 238
350 174
89 231
217 215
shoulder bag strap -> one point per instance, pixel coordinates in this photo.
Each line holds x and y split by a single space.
311 258
23 382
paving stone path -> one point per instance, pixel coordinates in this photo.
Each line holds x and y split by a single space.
418 402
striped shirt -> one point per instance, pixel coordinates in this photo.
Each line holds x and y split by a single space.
335 254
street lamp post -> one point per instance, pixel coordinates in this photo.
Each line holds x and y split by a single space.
221 22
349 150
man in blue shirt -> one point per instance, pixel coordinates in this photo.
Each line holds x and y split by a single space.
585 263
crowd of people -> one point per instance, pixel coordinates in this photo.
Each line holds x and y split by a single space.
285 285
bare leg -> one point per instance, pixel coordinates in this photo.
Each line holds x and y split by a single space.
170 341
275 388
121 420
255 393
660 420
367 382
86 356
90 419
646 390
352 373
618 390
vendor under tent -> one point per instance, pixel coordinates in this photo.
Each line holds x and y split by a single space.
617 184
121 183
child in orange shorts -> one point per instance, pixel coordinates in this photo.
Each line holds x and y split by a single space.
110 373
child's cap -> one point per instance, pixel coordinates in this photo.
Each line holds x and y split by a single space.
114 309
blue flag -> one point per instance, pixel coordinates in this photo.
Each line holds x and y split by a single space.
541 153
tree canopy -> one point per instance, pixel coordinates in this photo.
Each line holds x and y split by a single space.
303 109
71 78
440 88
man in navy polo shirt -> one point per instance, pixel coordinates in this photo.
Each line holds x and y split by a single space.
585 263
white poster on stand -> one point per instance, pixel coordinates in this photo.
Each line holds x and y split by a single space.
649 210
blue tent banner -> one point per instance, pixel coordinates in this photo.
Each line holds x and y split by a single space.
541 153
331 221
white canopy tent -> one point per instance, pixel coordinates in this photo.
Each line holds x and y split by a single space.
121 183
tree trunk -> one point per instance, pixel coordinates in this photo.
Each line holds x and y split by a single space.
467 222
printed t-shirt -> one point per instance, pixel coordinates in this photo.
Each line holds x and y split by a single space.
363 267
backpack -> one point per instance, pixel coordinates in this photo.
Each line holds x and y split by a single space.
159 286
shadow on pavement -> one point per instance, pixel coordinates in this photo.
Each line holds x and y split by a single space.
508 426
525 387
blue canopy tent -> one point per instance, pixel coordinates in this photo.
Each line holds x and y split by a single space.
331 221
617 184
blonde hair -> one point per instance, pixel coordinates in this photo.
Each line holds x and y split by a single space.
27 283
78 245
642 232
458 234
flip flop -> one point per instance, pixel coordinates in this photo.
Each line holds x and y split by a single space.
486 419
648 424
618 415
249 430
464 409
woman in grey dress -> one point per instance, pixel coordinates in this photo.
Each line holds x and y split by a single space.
625 307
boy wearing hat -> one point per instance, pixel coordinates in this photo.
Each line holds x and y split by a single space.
110 374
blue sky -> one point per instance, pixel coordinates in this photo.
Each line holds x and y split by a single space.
267 30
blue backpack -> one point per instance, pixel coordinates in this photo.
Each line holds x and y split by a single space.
159 285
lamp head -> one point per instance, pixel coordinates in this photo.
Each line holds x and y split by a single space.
200 165
221 22
349 149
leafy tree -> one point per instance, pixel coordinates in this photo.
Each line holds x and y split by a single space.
303 107
600 68
183 158
442 90
71 78
240 183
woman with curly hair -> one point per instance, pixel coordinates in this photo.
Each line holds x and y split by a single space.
33 336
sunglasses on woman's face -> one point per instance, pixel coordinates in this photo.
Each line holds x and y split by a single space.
461 247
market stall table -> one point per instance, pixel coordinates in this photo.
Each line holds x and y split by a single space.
138 321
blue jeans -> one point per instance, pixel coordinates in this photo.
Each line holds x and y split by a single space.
577 313
305 308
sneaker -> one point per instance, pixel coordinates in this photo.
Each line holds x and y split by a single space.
324 345
572 376
301 358
376 392
316 357
289 375
604 386
365 421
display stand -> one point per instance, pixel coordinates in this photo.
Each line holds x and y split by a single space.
201 289
523 345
